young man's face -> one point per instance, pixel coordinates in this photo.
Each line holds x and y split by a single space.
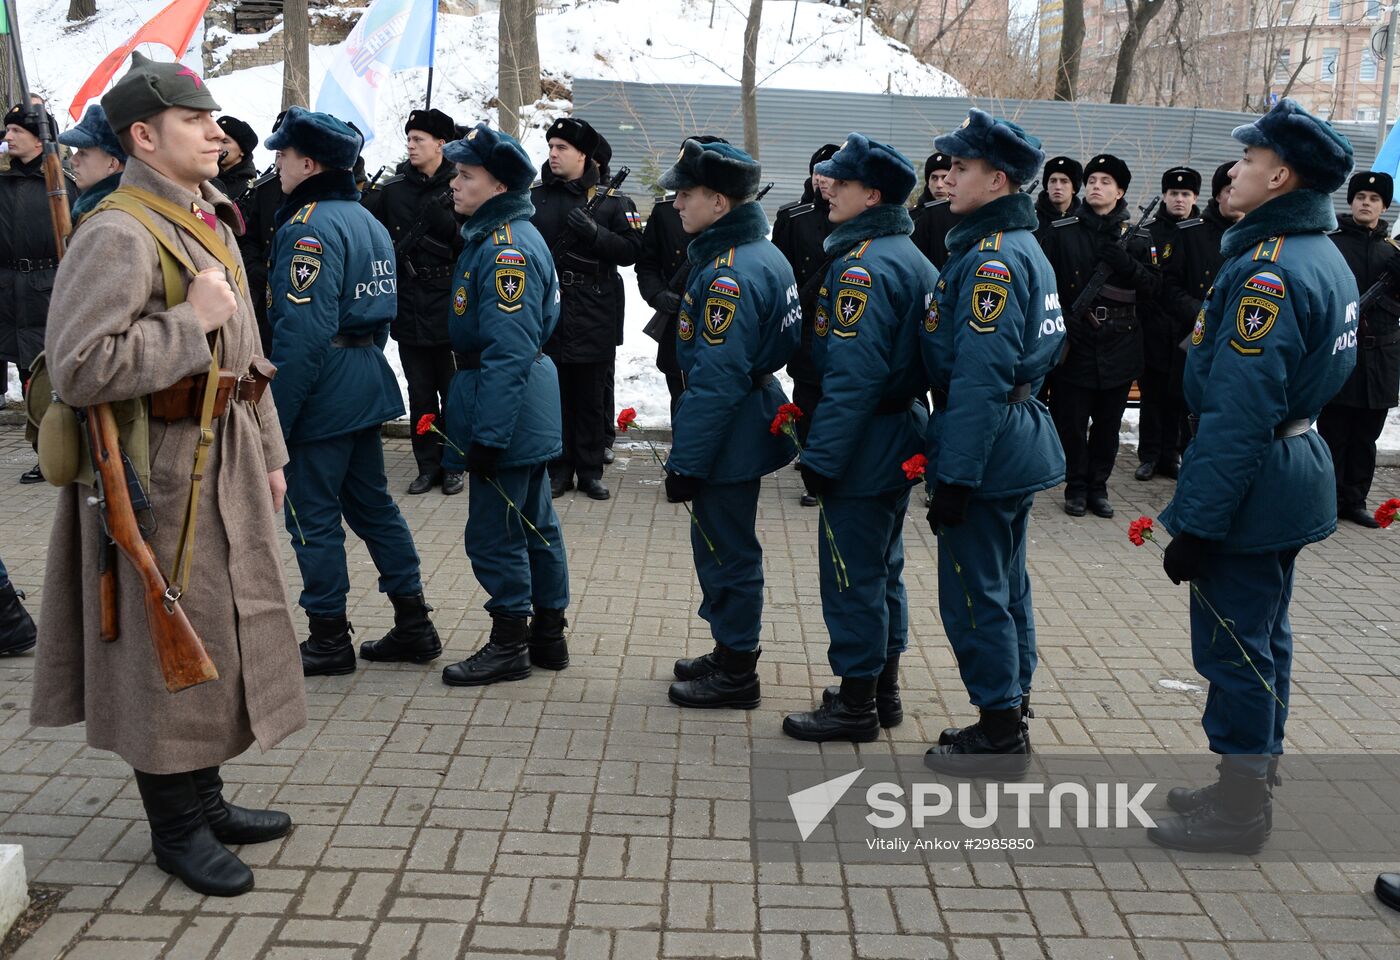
566 161
1255 177
294 168
699 207
935 184
22 143
424 151
92 165
472 186
1179 202
1367 207
1060 189
182 143
233 153
1102 193
971 184
849 199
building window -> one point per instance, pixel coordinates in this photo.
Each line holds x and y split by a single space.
1327 65
1373 9
1334 9
1368 65
1368 114
1281 71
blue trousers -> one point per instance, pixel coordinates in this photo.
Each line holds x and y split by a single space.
984 598
519 571
733 586
867 618
343 478
1251 592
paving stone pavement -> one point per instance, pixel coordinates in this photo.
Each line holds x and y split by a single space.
580 815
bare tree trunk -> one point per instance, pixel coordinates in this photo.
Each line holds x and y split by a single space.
7 74
1140 14
1071 46
748 93
296 54
518 61
81 9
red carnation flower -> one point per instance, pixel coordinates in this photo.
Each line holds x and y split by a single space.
425 423
1140 531
915 466
1385 513
787 413
626 418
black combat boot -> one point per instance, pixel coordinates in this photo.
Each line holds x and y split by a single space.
850 715
732 684
184 844
693 668
233 824
328 652
548 648
887 703
1191 799
506 656
413 639
995 746
1388 889
950 734
17 632
1231 821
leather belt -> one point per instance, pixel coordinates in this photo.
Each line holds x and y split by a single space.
1289 428
1019 393
184 399
892 405
472 361
570 278
348 340
25 265
1380 339
415 272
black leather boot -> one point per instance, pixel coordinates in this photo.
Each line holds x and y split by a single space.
328 652
184 844
17 631
995 746
1189 799
1388 890
850 715
233 824
1231 821
732 684
950 734
888 706
506 656
548 648
693 668
413 639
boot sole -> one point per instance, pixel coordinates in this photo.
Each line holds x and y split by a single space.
1240 849
419 659
724 705
336 672
16 651
236 840
549 664
853 736
487 681
208 891
978 766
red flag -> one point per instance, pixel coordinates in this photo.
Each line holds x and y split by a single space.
172 27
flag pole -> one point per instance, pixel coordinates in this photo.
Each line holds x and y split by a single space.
432 56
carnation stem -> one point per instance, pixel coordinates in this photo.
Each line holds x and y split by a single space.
957 568
510 504
656 455
843 578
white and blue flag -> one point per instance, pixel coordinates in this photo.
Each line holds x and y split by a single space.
392 35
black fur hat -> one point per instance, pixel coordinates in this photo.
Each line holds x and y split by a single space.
434 123
1220 179
1181 178
1381 183
721 167
1111 165
1069 167
937 161
575 132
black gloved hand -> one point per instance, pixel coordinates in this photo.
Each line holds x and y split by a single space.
949 506
1117 259
1184 557
582 224
482 460
668 302
680 489
817 484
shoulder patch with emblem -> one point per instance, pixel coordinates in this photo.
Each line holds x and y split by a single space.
502 237
931 318
991 243
856 276
304 269
719 314
1266 282
304 214
994 270
727 286
850 307
511 258
988 301
308 245
510 287
1167 252
725 259
685 327
1269 249
1198 332
459 301
1255 318
822 324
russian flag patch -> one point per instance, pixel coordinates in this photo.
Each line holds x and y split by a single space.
994 270
725 285
856 277
1270 283
308 245
512 258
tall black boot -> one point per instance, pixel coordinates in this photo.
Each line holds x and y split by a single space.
184 844
995 746
328 652
693 668
506 656
17 632
950 734
888 705
1189 800
732 684
234 824
850 715
1231 821
548 648
413 638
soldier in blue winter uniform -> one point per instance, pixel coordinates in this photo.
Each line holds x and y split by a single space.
503 410
332 293
868 423
1273 342
739 321
991 336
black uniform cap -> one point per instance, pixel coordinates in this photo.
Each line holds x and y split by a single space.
1111 165
1181 178
1381 183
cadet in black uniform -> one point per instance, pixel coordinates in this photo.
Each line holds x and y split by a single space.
603 157
415 206
585 341
1161 419
799 230
1353 420
236 170
933 217
1105 344
1061 181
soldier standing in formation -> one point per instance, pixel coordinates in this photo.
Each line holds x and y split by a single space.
1105 344
415 205
503 410
98 158
259 208
1353 420
603 157
739 322
332 285
1273 342
1161 414
236 170
1059 192
933 217
799 231
875 292
992 334
120 335
585 341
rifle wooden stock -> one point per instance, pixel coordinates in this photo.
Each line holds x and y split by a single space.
107 595
183 660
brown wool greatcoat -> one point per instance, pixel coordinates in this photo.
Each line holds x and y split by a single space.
110 337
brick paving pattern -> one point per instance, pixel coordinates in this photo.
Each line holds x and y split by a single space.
580 815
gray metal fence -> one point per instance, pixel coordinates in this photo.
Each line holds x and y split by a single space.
645 124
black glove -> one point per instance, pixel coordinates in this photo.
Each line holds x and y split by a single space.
668 302
817 484
481 461
1184 557
1117 259
680 489
949 506
582 224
